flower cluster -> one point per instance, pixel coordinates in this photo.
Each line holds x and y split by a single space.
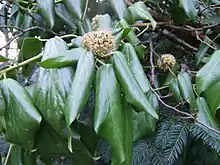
100 42
166 61
95 22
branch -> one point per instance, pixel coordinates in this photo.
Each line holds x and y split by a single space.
179 41
188 115
22 33
20 64
153 77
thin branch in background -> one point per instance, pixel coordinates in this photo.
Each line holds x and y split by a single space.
198 38
28 13
86 7
188 115
153 76
9 26
22 33
181 42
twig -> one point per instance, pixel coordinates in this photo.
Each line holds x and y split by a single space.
20 34
20 64
179 41
188 115
153 77
86 7
198 38
9 26
8 154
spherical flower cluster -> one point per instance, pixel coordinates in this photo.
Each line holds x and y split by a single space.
166 61
95 22
100 42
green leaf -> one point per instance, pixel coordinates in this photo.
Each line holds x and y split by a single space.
136 67
209 74
46 10
19 156
104 22
2 104
189 8
120 34
128 137
63 59
77 42
174 88
109 117
64 15
170 76
119 7
80 87
203 48
76 7
186 89
205 115
45 140
133 92
53 86
143 124
140 50
3 59
213 97
131 36
30 47
139 11
22 118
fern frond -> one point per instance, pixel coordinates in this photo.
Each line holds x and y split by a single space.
163 133
176 143
209 137
171 139
146 153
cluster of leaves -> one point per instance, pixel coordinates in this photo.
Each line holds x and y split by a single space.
57 107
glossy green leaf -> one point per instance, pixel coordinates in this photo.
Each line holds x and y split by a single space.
84 26
170 75
63 59
136 67
104 22
77 42
142 123
46 10
131 36
53 86
133 92
189 8
22 118
120 34
205 115
209 74
50 144
76 7
139 11
19 156
186 89
212 96
2 104
80 87
175 90
30 47
119 7
3 59
203 48
2 124
109 119
128 136
141 51
64 15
